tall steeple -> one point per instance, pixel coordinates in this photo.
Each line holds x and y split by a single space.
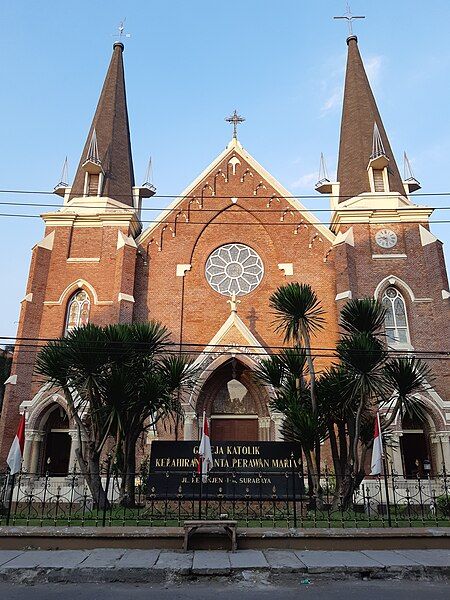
366 161
106 166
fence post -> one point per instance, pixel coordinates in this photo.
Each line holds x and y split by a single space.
201 486
108 475
293 489
386 487
10 482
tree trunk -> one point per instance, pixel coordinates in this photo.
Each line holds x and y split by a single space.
90 469
335 455
315 478
128 487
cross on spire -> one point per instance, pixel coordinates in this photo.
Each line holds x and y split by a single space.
236 120
121 30
349 18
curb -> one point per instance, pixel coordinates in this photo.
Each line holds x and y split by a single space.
154 575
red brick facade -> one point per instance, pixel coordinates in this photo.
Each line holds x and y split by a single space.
159 273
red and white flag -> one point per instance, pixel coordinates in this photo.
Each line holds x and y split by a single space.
15 455
377 450
204 451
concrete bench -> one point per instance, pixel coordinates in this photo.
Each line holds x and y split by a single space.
230 527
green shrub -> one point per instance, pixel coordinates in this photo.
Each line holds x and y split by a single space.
443 505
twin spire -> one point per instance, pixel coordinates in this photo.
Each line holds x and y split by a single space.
107 152
106 167
363 140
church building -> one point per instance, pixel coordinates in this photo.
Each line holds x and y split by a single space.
206 267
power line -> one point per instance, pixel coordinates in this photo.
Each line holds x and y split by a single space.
174 346
280 223
236 208
299 197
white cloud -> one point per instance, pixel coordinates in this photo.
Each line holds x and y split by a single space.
373 68
305 182
332 101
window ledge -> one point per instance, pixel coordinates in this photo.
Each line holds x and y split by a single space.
397 347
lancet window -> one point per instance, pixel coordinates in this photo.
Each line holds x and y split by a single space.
77 311
396 320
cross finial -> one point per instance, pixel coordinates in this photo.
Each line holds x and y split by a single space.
236 120
121 30
349 18
233 302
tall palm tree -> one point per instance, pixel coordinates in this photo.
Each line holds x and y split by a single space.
117 380
299 314
76 365
406 376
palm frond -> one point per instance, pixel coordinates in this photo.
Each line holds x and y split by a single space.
362 315
297 311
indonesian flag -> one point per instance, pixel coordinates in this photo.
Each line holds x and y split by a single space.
377 450
205 455
15 455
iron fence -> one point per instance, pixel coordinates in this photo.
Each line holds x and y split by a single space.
392 501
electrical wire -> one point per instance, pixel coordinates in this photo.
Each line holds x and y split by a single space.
264 224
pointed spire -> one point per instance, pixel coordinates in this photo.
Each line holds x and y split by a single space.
409 181
362 132
147 189
60 188
108 146
323 185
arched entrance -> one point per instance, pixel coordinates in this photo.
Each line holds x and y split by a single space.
235 403
56 443
416 447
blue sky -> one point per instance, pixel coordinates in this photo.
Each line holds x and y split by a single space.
188 65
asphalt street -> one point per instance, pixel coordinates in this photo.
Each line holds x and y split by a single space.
332 590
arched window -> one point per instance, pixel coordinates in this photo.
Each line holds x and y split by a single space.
396 322
77 311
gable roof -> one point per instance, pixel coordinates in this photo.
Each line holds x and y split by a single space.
235 147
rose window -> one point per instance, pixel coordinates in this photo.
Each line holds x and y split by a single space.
234 268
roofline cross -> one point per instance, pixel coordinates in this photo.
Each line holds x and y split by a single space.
349 18
122 32
236 119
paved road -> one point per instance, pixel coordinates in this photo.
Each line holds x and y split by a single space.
333 590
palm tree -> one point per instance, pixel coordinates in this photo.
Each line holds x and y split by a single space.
285 374
298 314
76 364
118 380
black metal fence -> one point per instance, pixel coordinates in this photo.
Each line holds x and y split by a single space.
36 500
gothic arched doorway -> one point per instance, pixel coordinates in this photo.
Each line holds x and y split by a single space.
415 445
56 442
235 403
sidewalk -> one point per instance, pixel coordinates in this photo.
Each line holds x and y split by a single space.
155 566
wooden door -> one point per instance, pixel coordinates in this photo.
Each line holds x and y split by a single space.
236 430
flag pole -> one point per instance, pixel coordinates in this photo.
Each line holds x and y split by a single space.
385 474
200 459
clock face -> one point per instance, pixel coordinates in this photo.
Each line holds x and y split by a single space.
386 238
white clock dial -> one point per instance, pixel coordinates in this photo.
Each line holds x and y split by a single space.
386 238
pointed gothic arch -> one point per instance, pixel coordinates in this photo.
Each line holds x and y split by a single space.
77 310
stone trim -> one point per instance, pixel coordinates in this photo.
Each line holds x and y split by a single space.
342 295
126 297
182 269
381 256
288 268
81 260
